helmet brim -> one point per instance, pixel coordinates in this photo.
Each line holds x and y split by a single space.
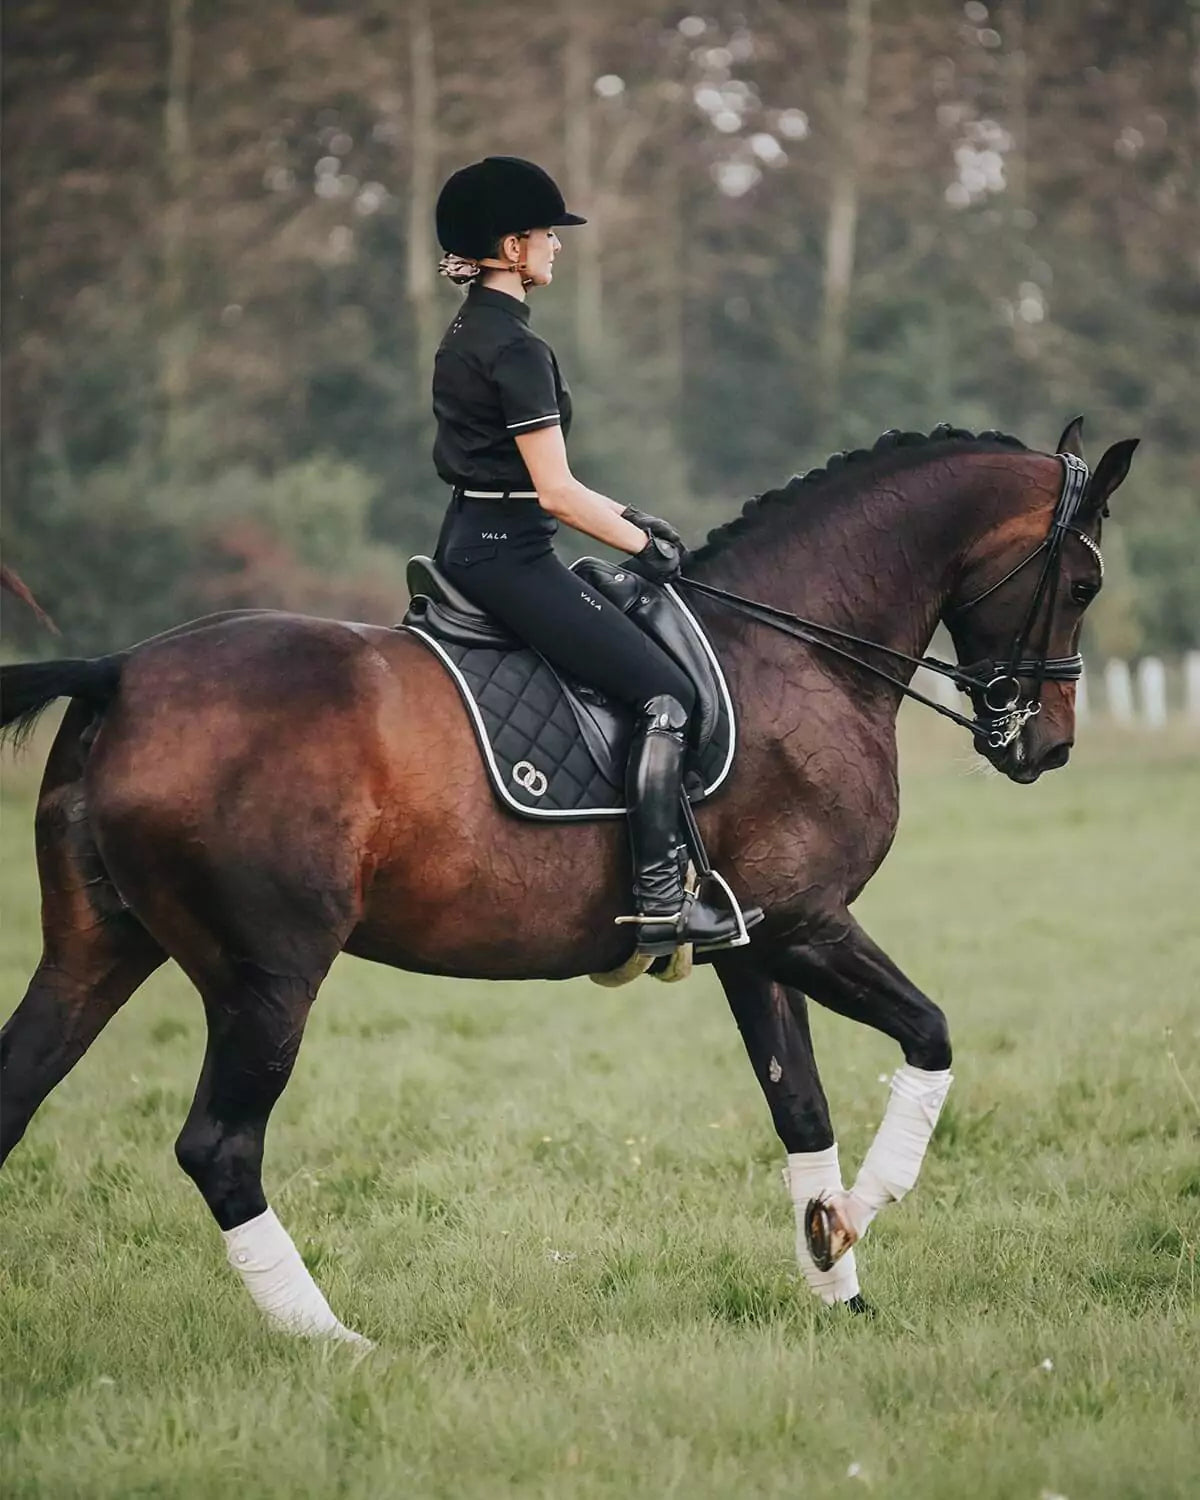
565 218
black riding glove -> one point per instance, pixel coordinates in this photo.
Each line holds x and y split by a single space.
653 525
659 561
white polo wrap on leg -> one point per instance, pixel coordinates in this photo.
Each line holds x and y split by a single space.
813 1174
893 1163
262 1253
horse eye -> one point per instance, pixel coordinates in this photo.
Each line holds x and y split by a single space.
1084 593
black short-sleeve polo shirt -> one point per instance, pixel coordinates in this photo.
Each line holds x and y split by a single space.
493 378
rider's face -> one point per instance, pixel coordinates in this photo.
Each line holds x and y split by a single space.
538 249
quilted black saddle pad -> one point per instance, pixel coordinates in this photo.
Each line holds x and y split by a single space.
554 748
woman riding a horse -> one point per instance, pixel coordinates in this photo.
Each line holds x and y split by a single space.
251 794
503 413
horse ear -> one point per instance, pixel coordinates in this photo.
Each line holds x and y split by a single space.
1108 474
1072 438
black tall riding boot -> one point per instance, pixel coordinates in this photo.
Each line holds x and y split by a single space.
666 917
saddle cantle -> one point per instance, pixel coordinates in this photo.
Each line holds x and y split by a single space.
553 747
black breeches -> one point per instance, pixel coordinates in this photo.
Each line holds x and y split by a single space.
499 555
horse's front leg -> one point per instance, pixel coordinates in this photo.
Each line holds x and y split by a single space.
844 970
773 1021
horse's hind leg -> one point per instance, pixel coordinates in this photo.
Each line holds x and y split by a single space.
246 868
95 953
256 1019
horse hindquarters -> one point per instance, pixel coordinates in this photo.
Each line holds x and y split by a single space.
95 952
246 870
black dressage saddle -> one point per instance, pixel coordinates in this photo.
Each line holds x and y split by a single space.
553 747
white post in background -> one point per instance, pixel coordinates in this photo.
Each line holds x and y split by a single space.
939 688
946 693
1081 699
1118 690
1191 686
1152 690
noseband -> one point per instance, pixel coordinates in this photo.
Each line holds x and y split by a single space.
1005 709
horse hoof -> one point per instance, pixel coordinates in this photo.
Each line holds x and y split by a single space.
859 1306
828 1233
340 1334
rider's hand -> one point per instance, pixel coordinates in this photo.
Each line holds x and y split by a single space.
659 561
653 525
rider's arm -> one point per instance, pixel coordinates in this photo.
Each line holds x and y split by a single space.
569 501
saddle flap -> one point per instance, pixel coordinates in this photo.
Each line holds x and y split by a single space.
605 726
661 614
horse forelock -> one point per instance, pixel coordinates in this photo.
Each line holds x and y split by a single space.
891 450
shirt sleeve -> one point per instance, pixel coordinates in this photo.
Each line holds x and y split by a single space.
524 376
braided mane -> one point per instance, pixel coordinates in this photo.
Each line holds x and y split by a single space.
888 443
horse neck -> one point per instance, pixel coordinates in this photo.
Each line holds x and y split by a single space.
880 560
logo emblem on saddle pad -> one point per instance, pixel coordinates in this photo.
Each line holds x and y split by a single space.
527 775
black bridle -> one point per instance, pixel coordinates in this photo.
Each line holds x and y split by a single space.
1005 709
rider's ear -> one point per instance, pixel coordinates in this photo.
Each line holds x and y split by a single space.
1072 438
1108 474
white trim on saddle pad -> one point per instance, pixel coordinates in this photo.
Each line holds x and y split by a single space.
580 813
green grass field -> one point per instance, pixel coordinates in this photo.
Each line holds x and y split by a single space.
559 1210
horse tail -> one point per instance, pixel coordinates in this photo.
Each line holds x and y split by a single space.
11 580
28 688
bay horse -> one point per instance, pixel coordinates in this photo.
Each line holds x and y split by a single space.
252 793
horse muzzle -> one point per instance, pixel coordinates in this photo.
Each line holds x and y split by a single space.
1030 753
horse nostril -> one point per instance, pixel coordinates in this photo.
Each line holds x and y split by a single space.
1058 756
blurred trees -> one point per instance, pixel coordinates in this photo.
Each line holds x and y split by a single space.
809 223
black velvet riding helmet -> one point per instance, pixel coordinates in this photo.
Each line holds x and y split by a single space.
500 195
